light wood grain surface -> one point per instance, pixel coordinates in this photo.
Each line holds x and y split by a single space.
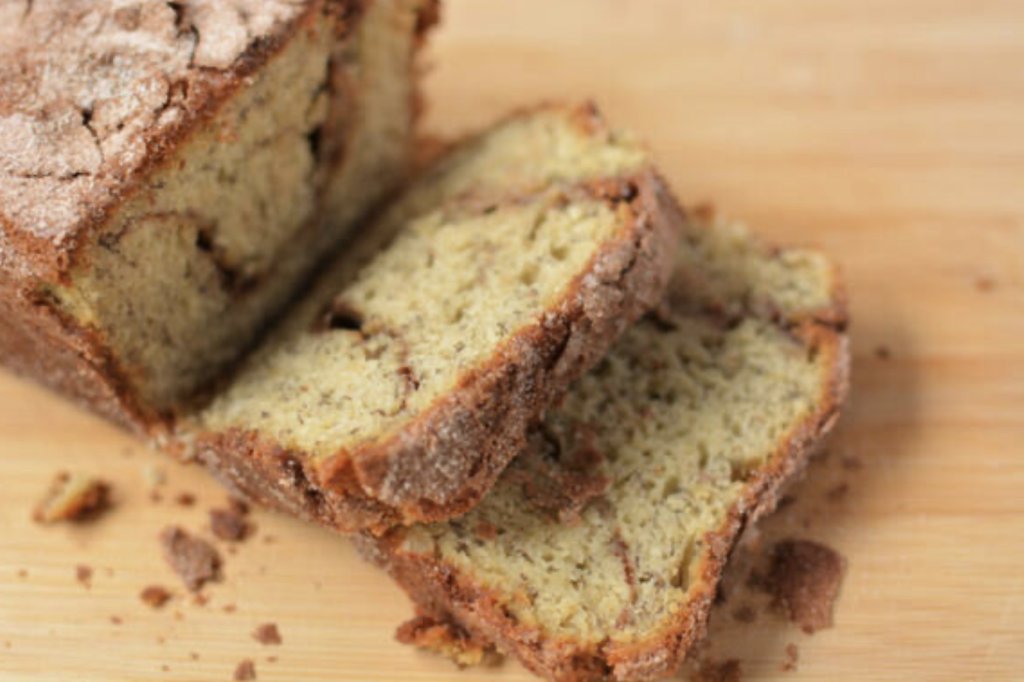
889 133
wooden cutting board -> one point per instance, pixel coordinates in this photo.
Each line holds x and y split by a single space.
888 132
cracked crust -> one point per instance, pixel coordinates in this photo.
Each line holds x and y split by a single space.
446 594
443 462
94 97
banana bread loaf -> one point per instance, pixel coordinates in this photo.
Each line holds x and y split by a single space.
171 171
405 382
597 553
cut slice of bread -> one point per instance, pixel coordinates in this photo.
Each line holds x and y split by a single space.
405 382
597 553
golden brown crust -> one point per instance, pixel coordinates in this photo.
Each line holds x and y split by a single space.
443 462
447 594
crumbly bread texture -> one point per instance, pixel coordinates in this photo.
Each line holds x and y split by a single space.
597 553
406 381
171 172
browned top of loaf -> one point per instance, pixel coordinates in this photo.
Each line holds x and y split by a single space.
94 93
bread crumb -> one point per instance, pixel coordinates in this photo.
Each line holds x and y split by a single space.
72 497
715 671
193 559
246 670
83 574
153 476
193 655
883 353
792 656
267 633
803 580
22 573
837 493
185 499
238 506
985 284
228 525
155 596
116 620
229 608
200 599
443 638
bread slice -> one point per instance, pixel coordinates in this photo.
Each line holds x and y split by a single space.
170 173
598 552
405 382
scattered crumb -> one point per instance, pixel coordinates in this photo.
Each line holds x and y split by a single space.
745 614
108 571
83 574
704 211
153 476
837 493
269 539
238 506
485 530
267 633
229 608
22 573
155 596
852 464
985 284
185 499
443 638
155 497
193 559
246 670
792 656
178 615
883 353
232 550
719 671
193 655
160 640
200 600
72 497
228 525
803 580
116 620
166 668
7 645
271 659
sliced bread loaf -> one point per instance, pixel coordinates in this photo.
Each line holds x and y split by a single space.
170 173
405 382
598 552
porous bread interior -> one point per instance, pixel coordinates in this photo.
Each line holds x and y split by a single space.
181 278
473 252
683 410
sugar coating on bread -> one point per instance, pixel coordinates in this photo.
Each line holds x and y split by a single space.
170 172
498 276
677 437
